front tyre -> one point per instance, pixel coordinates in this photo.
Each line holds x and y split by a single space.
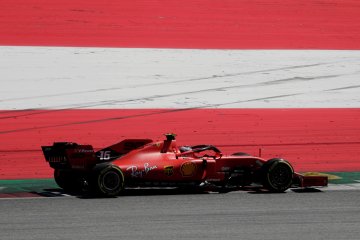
109 181
277 175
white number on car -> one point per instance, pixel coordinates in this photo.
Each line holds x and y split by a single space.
105 155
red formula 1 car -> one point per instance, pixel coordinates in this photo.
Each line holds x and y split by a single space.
144 163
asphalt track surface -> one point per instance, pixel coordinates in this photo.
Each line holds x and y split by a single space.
165 215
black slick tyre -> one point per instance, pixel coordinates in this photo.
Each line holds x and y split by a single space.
277 175
66 180
109 181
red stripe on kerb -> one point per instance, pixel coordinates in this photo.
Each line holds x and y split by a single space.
222 24
311 139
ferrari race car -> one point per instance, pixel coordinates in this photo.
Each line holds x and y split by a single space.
144 163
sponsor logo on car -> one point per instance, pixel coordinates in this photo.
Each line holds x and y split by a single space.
169 170
84 150
188 169
137 172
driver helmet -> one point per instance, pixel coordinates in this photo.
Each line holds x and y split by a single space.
185 148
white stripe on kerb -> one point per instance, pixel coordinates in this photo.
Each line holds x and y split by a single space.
44 77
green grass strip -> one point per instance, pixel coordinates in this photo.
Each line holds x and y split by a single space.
345 177
27 185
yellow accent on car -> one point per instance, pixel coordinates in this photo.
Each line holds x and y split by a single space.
330 176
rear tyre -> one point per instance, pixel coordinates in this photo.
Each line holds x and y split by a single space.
109 181
277 175
67 180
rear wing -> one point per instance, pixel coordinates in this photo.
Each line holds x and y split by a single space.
69 155
63 155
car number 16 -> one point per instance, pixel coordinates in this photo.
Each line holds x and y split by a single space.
105 155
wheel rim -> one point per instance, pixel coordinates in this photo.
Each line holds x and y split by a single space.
111 181
280 176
